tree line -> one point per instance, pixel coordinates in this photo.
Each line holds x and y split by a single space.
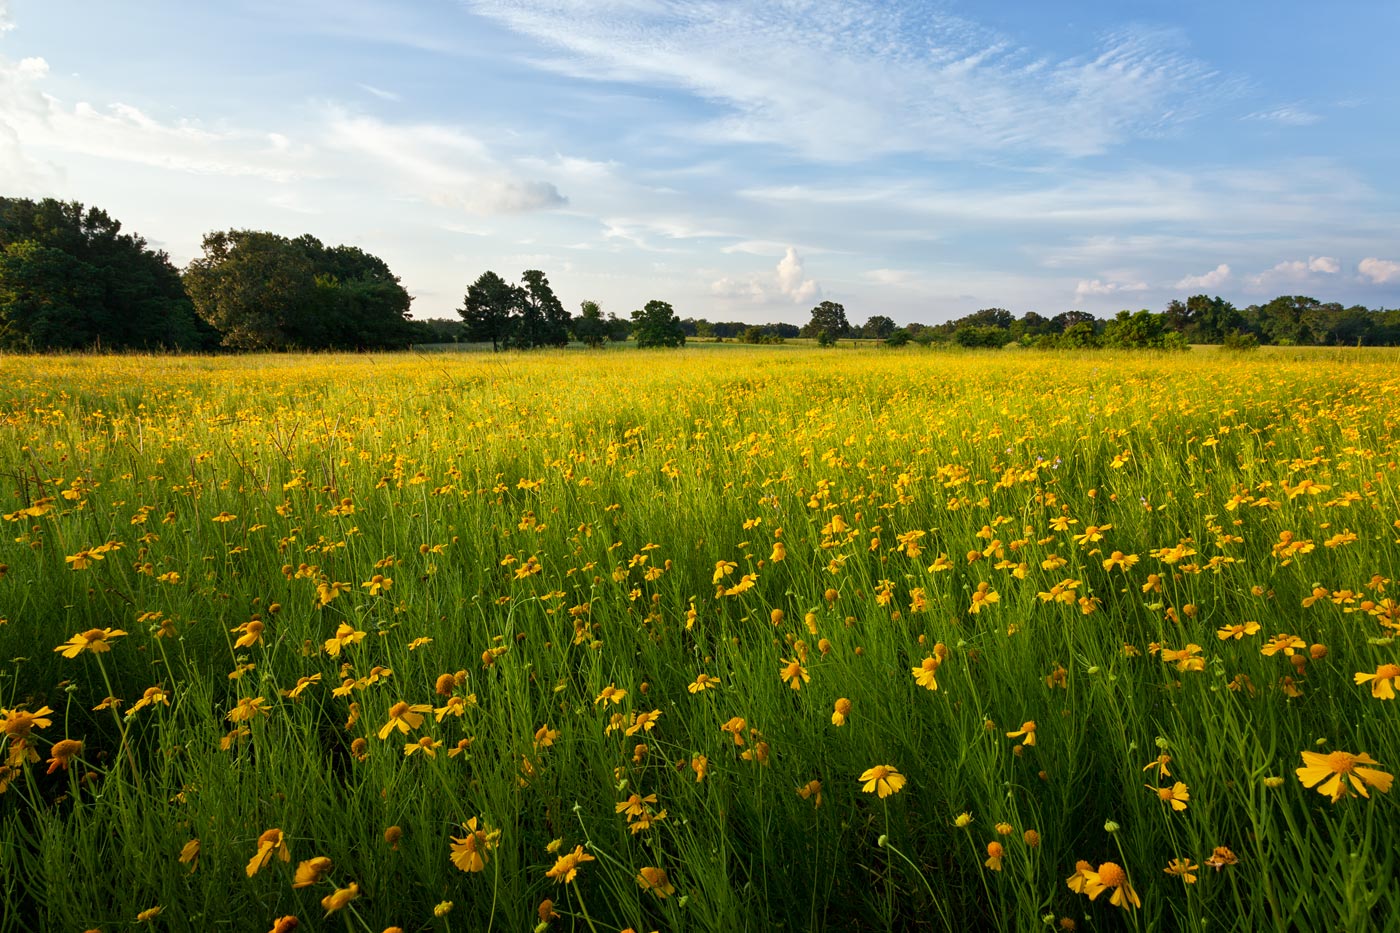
71 279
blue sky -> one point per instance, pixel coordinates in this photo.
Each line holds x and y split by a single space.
743 159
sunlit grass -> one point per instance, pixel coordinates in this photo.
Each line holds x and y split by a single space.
549 551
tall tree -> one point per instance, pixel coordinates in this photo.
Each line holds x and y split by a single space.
879 326
491 310
656 325
263 291
69 278
543 320
589 327
828 322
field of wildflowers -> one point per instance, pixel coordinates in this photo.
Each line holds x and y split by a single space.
724 639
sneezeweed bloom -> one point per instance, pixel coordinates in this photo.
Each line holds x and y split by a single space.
1177 795
96 640
247 708
1160 763
611 694
643 722
312 871
285 924
1238 631
426 744
812 791
963 820
62 754
1222 857
1109 876
149 914
1028 730
377 584
1382 681
566 867
339 898
1005 829
189 855
18 723
271 844
794 674
655 881
345 636
250 633
404 717
883 780
983 597
1324 773
703 682
442 908
926 674
1183 869
994 856
735 727
1285 643
469 853
840 712
1031 838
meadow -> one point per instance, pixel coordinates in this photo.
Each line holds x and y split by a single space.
717 639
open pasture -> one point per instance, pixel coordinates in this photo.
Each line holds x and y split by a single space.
759 639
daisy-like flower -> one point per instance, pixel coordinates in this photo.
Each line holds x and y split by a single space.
339 898
62 753
612 694
96 640
311 871
812 791
794 674
840 711
1027 730
249 633
469 853
1177 795
18 723
1183 869
994 856
247 708
1226 632
1285 643
271 844
1109 876
404 717
345 635
1324 773
883 780
926 674
426 744
566 867
1382 681
983 597
703 682
643 722
655 881
1160 763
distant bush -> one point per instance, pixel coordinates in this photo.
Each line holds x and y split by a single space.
1240 342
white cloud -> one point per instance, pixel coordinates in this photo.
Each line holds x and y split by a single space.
6 23
1379 271
1287 115
1295 271
843 81
1212 279
731 289
439 163
1095 287
792 278
380 93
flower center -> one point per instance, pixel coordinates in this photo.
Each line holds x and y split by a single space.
1112 875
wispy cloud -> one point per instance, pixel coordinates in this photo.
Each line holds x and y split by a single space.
1287 115
845 81
1212 279
1096 288
379 92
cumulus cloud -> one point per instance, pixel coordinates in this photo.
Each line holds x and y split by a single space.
1212 279
792 278
6 23
1295 270
1096 287
1379 271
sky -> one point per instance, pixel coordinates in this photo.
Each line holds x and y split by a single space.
745 159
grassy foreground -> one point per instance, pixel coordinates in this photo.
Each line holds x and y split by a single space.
771 639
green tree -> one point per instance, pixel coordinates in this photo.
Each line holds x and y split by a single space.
656 325
589 327
543 320
263 291
879 326
828 318
69 278
491 310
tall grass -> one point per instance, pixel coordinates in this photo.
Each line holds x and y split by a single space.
557 524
